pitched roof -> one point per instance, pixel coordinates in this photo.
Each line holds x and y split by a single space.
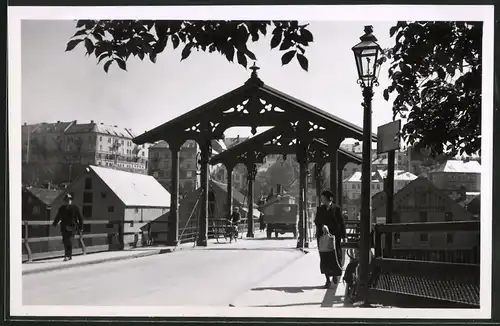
47 196
45 127
253 86
456 166
134 189
412 184
356 177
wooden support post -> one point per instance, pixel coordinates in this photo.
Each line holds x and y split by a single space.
378 243
318 170
173 218
26 242
340 168
333 171
251 168
203 220
389 190
229 204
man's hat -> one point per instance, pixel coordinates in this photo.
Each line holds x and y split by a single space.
68 197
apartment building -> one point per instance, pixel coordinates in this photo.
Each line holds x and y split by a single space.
419 202
453 175
160 164
58 152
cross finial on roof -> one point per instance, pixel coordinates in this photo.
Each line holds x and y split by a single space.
254 69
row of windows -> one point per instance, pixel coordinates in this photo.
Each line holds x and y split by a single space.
120 141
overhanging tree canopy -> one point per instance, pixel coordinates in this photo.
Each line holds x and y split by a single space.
435 67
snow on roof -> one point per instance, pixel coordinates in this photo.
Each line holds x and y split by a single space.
456 166
356 177
134 189
405 176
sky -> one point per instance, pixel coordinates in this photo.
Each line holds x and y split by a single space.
64 86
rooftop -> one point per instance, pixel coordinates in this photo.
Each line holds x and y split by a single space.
456 166
134 189
47 196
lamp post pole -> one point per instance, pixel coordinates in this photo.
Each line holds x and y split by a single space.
366 223
366 54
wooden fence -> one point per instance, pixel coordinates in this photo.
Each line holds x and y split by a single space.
105 235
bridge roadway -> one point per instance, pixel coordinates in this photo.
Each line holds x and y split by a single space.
250 273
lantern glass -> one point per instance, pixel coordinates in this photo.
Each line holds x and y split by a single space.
366 54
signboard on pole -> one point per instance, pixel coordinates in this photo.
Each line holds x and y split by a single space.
388 137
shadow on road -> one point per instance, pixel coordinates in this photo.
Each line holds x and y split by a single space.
287 305
289 289
272 239
330 299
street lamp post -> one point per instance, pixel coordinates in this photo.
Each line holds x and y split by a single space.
366 53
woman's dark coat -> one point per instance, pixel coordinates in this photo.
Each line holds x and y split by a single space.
331 216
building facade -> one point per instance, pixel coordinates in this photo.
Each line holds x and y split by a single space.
160 164
453 175
107 194
420 202
352 188
58 152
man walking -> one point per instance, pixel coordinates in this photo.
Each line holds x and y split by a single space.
71 221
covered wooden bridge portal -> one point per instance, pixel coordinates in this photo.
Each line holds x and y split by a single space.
283 140
253 104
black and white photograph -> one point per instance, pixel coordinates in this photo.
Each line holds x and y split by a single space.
251 161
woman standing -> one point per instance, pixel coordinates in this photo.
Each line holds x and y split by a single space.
329 221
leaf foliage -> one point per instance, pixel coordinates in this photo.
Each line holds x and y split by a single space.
118 40
435 79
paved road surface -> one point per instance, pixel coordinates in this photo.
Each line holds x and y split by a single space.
221 275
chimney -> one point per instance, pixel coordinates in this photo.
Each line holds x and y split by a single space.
25 124
58 121
115 126
279 189
92 121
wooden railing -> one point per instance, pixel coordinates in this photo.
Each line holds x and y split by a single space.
38 243
417 283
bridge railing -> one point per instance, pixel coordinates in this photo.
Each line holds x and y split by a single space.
40 242
418 283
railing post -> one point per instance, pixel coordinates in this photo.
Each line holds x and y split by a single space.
82 244
26 242
120 235
378 242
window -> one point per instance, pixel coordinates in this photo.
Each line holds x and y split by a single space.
111 209
87 197
189 174
397 238
100 138
449 238
109 140
87 211
36 210
100 147
423 217
448 216
88 183
137 210
424 237
353 186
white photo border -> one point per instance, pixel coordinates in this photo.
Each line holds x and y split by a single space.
302 13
